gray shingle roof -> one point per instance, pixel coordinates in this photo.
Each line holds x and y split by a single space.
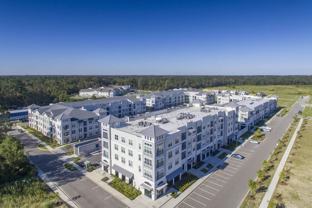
110 119
153 131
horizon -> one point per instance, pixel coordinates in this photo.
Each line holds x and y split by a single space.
155 38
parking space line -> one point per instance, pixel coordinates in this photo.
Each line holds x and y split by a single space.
230 171
215 183
222 176
226 173
187 204
199 202
219 180
244 153
236 162
95 187
234 168
208 192
211 187
197 194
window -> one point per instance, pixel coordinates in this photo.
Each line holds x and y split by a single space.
123 160
177 151
116 157
123 150
123 140
183 145
116 147
147 162
169 166
116 137
183 136
170 154
139 168
130 142
105 144
176 141
105 154
130 163
183 156
130 152
170 144
139 157
148 175
177 161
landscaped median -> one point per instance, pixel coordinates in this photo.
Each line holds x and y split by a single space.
126 189
49 141
259 186
186 181
294 186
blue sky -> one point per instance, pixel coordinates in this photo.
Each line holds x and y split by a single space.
156 37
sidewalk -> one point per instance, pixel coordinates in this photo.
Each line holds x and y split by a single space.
269 193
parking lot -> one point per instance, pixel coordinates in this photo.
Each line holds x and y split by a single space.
218 180
227 186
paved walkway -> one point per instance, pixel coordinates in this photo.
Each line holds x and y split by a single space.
268 195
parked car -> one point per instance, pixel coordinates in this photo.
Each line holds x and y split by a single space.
254 141
238 156
265 128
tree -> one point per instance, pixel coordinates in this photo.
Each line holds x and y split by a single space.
261 174
252 186
13 163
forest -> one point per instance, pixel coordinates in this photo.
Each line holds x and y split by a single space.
21 91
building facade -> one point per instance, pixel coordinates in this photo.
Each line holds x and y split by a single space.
152 153
75 121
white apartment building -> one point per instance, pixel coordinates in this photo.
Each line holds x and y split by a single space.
165 99
204 97
152 153
110 91
70 122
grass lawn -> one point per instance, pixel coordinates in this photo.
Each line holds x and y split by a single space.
49 141
187 180
307 112
265 174
287 94
294 188
222 155
124 188
29 192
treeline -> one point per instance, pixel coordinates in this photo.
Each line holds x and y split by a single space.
19 91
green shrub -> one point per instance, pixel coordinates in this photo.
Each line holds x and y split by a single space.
124 188
70 166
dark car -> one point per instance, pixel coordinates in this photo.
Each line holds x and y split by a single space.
238 156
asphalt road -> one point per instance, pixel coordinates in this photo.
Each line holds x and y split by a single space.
74 184
227 187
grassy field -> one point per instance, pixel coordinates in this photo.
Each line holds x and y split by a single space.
265 174
287 94
307 112
294 187
30 192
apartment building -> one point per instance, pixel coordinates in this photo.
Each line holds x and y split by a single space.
225 96
110 91
153 152
74 121
165 99
204 97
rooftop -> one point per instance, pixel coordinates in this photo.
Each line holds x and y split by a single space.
168 121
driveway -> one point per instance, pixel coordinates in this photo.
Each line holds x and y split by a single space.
84 192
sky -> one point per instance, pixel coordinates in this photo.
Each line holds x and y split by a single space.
155 37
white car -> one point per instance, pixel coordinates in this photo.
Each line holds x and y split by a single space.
254 141
265 128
